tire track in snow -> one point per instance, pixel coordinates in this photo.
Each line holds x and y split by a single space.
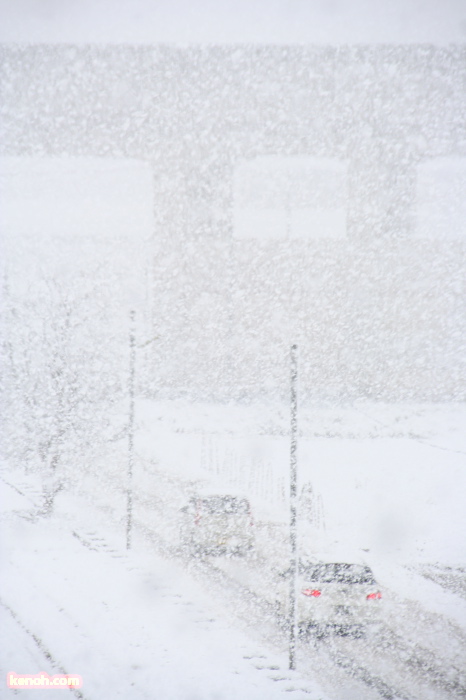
43 649
257 608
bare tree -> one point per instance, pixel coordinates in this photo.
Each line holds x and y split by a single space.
64 368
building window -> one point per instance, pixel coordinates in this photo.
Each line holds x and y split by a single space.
290 197
441 198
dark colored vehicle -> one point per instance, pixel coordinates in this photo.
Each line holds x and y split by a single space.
217 524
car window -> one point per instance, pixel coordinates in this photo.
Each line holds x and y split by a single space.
229 505
337 573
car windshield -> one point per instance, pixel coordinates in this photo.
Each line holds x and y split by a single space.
223 504
337 573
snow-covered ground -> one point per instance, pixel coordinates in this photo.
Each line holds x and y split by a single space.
386 488
133 625
388 478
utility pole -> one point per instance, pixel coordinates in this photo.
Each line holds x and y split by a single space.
293 497
129 485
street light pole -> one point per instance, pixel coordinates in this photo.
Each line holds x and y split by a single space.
129 485
293 498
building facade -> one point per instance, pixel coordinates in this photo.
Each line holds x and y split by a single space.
309 195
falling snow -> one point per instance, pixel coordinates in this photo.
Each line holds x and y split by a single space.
177 211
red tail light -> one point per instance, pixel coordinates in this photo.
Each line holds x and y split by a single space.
311 592
374 596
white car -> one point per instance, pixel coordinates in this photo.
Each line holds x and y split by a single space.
333 597
217 524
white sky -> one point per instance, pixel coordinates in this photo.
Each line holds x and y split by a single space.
220 21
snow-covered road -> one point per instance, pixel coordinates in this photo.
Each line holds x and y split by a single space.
132 625
153 622
141 623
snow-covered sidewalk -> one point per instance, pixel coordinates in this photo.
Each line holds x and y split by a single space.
133 625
